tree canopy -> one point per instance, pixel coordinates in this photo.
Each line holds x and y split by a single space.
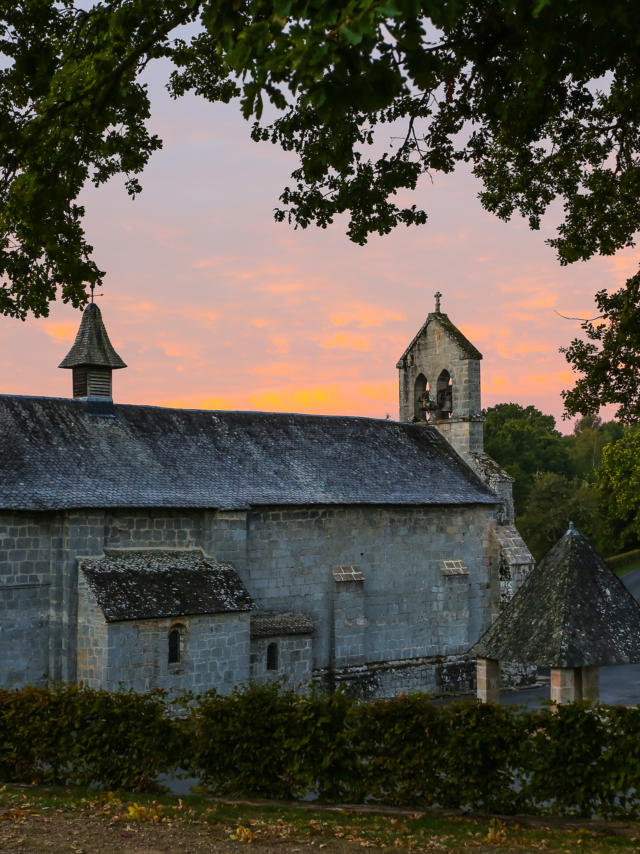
540 97
618 479
560 479
524 442
609 359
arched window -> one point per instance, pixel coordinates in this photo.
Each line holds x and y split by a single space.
272 656
444 395
421 398
175 644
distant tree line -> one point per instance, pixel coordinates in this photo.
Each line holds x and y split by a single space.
590 477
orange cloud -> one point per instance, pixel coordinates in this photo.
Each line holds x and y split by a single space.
524 284
276 369
199 315
548 379
198 402
512 351
625 264
280 288
381 392
363 316
544 300
279 344
179 349
346 341
204 263
354 398
479 332
61 331
497 384
320 399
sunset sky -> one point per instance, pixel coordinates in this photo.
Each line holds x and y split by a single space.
214 305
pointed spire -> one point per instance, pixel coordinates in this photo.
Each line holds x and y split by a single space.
572 611
92 345
92 357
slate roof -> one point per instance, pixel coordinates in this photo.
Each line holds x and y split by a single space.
572 611
267 624
470 352
148 584
54 455
92 345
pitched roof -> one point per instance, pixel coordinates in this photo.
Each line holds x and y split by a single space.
54 455
92 345
469 351
572 611
267 624
148 584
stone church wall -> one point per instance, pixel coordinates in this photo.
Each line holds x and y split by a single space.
216 654
411 608
27 546
294 661
407 608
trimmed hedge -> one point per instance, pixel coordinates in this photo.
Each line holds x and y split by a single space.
75 736
265 742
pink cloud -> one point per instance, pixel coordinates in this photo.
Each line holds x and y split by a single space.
346 341
363 316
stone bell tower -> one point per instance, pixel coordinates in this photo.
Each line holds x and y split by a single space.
440 387
440 382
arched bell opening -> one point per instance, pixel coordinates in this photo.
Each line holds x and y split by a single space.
419 391
423 405
444 396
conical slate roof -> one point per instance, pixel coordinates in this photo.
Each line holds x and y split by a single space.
92 345
572 611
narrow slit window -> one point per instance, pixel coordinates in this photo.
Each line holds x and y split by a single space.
174 646
272 656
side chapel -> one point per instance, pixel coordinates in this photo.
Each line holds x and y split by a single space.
143 546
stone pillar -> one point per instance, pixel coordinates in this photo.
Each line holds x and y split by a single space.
566 684
349 623
488 680
591 684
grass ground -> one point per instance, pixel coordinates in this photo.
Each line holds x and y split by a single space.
52 821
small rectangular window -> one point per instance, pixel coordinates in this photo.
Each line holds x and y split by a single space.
174 646
272 656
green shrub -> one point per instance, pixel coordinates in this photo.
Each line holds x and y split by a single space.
78 736
266 742
481 753
562 760
400 746
244 743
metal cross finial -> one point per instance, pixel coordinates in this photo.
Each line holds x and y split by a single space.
437 295
92 288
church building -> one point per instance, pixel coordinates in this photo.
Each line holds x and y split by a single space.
144 547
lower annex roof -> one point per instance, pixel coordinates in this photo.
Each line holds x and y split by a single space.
54 455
